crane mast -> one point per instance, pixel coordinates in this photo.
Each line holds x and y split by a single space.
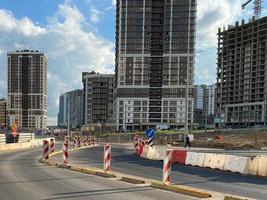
257 7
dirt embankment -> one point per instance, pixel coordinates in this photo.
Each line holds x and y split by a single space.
246 140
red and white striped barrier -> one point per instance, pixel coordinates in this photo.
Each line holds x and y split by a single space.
78 142
84 141
74 142
52 146
65 153
107 157
166 178
93 140
136 143
45 149
67 140
87 140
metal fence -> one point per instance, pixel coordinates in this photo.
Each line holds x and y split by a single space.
160 139
20 138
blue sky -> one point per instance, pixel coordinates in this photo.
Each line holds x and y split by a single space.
78 35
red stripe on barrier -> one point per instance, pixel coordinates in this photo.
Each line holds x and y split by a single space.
179 156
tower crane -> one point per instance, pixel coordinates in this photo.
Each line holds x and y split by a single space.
257 7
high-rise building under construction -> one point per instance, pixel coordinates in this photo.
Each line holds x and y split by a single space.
241 74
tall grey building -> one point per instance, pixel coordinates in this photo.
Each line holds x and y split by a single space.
74 108
204 101
241 74
62 114
98 100
155 46
27 89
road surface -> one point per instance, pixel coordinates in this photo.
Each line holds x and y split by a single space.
22 177
125 161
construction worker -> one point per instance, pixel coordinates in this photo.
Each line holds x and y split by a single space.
187 141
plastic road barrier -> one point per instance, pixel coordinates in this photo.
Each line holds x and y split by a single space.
78 142
237 164
65 153
145 151
161 152
66 140
107 157
195 159
45 149
254 165
151 153
140 147
210 160
258 166
135 142
166 178
178 156
262 170
52 145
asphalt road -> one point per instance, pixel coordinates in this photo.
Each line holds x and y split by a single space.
125 161
23 177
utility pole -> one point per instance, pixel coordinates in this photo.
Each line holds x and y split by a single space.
186 105
68 100
206 122
125 106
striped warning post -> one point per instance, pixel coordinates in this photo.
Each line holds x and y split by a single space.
94 140
74 142
65 153
84 141
78 142
149 142
45 149
87 141
66 140
107 157
52 146
136 143
167 167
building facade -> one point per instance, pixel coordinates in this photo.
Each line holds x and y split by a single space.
74 109
199 105
204 101
27 89
155 46
241 74
62 114
3 113
98 100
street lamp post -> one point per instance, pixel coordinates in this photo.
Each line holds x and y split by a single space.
68 100
186 106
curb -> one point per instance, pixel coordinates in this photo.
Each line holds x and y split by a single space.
232 198
129 179
132 180
180 190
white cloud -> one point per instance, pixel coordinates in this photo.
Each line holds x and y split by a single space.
212 14
95 15
24 26
70 48
114 2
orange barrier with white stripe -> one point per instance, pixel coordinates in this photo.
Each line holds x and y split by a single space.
107 157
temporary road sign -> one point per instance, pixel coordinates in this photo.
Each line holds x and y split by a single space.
150 133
